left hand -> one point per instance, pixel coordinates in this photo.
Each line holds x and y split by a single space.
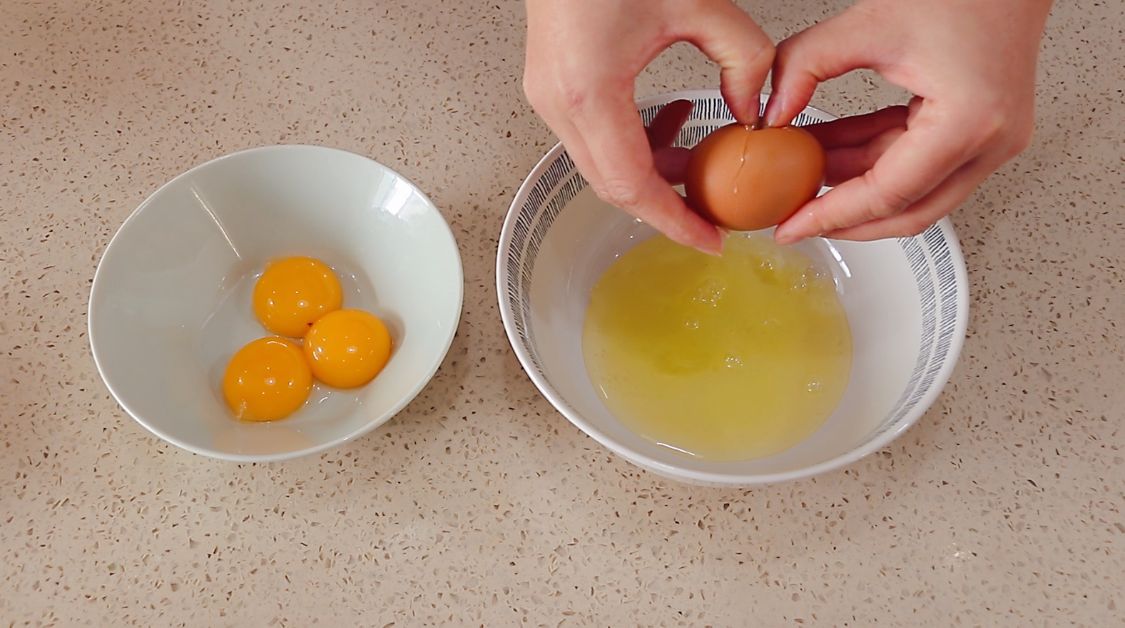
971 66
583 57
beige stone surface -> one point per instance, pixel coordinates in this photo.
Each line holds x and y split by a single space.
479 504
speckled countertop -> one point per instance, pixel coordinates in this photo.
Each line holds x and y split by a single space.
479 504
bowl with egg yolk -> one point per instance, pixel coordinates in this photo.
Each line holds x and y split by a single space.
766 364
264 264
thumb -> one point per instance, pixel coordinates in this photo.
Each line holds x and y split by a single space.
826 50
731 38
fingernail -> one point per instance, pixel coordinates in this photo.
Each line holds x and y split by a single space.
786 236
774 109
746 120
713 248
713 251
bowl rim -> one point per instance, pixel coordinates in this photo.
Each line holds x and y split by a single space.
373 423
706 477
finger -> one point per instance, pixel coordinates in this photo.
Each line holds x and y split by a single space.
653 200
857 130
576 148
672 163
679 223
924 156
826 50
727 35
920 216
626 174
849 162
665 126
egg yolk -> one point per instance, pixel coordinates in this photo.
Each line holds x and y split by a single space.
293 293
268 379
347 348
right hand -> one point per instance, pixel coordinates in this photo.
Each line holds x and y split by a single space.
583 57
970 65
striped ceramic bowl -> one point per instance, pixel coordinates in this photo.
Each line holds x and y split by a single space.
906 301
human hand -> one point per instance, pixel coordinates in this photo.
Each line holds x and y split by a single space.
971 67
583 57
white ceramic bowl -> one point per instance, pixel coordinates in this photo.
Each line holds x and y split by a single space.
906 301
171 297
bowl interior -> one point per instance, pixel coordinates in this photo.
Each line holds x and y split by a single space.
171 298
905 301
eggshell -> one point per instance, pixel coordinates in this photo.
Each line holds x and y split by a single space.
746 179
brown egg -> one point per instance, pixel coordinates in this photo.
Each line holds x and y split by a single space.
745 179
